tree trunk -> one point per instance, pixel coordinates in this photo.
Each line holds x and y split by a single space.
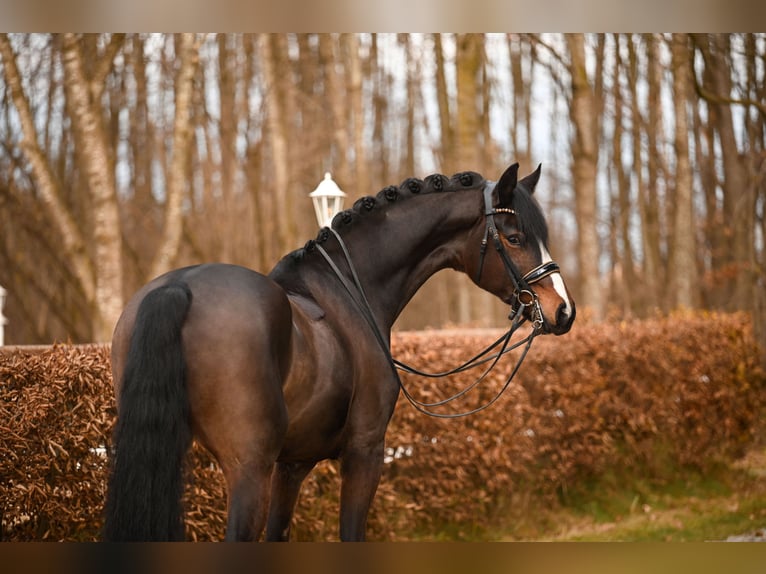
337 106
738 191
227 88
468 122
650 213
178 178
72 242
381 85
412 80
625 207
356 95
277 138
583 113
644 299
521 142
447 147
683 268
469 49
93 155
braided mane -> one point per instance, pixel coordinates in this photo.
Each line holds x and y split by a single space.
410 187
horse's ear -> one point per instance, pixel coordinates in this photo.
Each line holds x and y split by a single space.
531 180
506 185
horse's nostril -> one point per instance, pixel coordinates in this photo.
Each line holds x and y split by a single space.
565 316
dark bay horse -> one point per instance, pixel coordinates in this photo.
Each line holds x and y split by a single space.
275 373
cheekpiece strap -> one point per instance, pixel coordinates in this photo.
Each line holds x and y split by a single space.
488 189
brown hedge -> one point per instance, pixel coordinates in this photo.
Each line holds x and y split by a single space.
640 399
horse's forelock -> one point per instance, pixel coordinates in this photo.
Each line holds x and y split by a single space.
529 216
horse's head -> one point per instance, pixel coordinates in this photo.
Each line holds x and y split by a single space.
508 255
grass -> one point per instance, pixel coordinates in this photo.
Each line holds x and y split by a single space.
693 507
730 501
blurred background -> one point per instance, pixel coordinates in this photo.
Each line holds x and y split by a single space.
125 155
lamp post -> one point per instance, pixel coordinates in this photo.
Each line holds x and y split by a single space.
328 200
3 320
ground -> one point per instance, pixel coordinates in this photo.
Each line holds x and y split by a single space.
730 507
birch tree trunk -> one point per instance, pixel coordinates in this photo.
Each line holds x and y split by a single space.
98 167
177 180
72 242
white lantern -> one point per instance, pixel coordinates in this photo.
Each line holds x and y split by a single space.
3 320
328 200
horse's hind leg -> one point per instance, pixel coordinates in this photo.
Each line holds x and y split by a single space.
244 428
248 465
248 502
285 486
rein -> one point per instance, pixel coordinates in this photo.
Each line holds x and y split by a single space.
524 297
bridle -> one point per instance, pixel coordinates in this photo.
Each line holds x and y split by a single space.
524 297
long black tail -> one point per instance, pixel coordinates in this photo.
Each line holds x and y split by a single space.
153 433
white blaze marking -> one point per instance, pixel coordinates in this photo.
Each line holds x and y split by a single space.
558 282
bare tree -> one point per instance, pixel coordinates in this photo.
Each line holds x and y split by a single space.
446 128
336 101
683 268
93 154
126 155
178 177
624 203
94 259
584 112
356 95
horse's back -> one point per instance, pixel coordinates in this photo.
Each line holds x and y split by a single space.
227 299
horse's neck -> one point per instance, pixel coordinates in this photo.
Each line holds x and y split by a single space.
419 237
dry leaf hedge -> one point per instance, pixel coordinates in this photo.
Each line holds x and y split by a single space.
643 399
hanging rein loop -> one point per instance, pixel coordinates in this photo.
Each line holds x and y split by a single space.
524 298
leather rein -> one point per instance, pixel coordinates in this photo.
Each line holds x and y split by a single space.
524 297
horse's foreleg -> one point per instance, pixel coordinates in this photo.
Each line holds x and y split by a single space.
285 485
360 474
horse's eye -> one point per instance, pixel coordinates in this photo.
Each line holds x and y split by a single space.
514 239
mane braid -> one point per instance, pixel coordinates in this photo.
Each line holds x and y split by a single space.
410 187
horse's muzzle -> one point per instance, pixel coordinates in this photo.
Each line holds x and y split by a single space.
563 321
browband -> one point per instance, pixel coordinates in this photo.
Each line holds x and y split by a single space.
488 208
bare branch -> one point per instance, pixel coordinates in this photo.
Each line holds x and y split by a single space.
104 66
712 97
46 184
182 138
